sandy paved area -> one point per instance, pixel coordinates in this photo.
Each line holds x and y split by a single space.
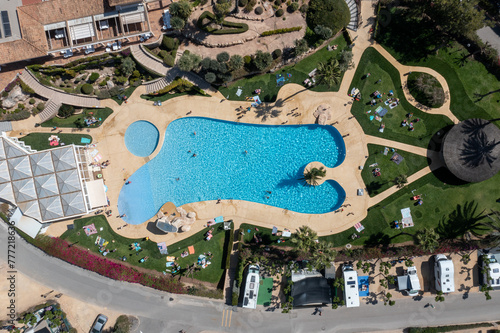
81 313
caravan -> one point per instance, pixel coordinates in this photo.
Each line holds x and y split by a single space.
444 274
252 287
351 290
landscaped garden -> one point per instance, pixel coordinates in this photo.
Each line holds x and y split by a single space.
41 141
156 261
384 78
381 170
103 76
298 73
72 120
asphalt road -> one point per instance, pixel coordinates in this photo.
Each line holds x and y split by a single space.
157 313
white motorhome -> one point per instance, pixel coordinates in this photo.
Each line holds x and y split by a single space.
409 282
444 273
251 287
494 272
351 288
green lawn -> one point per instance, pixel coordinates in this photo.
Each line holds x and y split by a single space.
474 91
264 233
380 69
440 199
299 72
388 169
156 261
127 92
40 141
69 122
265 292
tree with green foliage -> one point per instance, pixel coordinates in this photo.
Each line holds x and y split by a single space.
177 23
427 240
221 9
400 181
210 77
301 47
128 66
305 238
223 57
262 60
180 9
333 14
312 175
329 72
188 61
323 32
345 60
452 18
236 62
122 325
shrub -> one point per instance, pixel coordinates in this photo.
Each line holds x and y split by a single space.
236 62
247 59
169 60
188 61
333 14
223 57
181 9
21 106
128 66
103 83
162 54
293 7
250 5
136 74
301 47
262 60
303 9
280 12
205 63
259 10
121 79
40 106
323 32
32 101
122 325
66 111
280 31
277 53
277 2
24 87
87 89
18 115
177 23
210 77
168 43
93 77
242 3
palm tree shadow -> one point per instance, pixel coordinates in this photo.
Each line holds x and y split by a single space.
293 180
462 220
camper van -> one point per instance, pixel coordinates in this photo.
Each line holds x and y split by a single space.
409 282
444 274
351 291
251 287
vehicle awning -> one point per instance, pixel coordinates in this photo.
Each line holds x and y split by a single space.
403 282
97 194
26 224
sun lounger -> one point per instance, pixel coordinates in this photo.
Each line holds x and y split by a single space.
359 227
219 219
170 264
97 240
378 109
170 258
191 249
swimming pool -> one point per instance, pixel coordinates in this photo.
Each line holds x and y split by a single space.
206 159
141 138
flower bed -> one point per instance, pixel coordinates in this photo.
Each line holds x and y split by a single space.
61 249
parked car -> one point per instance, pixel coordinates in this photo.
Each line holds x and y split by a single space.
409 282
99 323
492 270
444 274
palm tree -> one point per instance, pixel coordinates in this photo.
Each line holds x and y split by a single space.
323 255
494 225
305 238
401 180
427 240
312 175
329 73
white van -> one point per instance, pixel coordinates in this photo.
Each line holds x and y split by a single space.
351 288
444 273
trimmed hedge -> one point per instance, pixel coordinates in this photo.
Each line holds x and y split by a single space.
229 245
93 77
172 86
280 31
87 89
238 27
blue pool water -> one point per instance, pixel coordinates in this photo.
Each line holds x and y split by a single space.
141 138
274 161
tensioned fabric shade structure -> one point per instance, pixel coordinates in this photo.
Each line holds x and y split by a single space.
133 18
82 31
44 185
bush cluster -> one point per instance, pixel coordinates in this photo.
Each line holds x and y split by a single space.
280 12
87 89
66 111
280 31
93 77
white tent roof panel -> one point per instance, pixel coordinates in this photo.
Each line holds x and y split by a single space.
6 192
12 151
73 203
20 168
68 181
31 208
97 195
51 208
41 163
64 159
46 186
24 190
4 172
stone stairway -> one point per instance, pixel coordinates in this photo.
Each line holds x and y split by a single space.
148 60
156 85
49 112
58 96
353 9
